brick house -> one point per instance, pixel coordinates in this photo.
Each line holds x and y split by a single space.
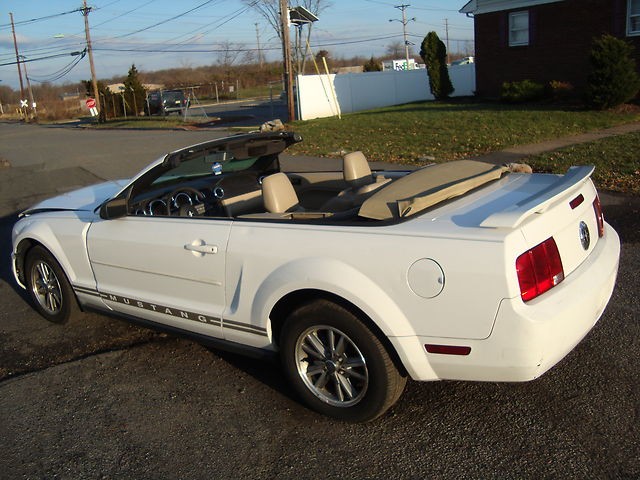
544 40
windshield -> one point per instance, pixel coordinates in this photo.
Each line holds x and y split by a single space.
254 154
172 96
215 163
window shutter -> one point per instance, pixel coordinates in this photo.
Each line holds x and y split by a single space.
533 26
619 27
504 29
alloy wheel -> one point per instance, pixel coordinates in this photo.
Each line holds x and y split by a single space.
331 366
46 287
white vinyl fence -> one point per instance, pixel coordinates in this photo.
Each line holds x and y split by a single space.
327 95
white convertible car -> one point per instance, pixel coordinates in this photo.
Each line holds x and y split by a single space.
357 279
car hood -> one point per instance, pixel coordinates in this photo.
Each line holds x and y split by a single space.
87 198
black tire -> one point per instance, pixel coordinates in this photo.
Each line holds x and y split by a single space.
354 379
48 287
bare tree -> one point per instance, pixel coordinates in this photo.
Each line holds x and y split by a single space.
270 10
227 56
396 50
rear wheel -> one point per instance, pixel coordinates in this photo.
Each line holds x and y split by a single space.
337 365
48 287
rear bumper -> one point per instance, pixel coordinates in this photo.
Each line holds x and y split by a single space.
527 339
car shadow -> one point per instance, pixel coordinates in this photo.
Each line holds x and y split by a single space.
268 372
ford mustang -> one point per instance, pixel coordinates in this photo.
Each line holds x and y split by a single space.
357 279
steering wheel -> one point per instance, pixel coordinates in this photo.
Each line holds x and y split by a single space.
199 196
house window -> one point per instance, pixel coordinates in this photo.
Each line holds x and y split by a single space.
519 28
633 17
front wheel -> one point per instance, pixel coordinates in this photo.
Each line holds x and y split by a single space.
48 287
337 365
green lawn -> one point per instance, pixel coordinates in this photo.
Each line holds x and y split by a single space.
446 131
617 161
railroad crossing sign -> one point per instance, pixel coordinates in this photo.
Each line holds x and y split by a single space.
24 103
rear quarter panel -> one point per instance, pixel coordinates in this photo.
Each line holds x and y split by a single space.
368 266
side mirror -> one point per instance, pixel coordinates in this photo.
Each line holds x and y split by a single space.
114 208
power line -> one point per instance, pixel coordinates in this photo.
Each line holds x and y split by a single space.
27 60
216 50
49 50
222 21
57 75
167 20
33 20
122 14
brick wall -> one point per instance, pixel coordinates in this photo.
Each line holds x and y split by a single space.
560 37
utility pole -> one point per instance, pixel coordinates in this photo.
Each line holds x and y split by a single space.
32 102
15 45
446 32
404 22
260 59
85 12
286 53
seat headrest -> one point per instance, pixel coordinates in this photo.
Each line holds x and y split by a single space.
356 169
278 194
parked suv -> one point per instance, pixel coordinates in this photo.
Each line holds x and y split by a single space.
163 102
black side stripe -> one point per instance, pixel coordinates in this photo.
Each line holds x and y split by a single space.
174 312
232 324
86 291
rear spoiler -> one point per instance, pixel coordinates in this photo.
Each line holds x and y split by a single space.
539 202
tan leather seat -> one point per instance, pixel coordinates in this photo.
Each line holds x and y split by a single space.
356 170
279 195
357 174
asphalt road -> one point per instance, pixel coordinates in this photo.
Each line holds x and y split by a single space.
241 112
98 398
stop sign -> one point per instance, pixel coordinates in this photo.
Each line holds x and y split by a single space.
91 102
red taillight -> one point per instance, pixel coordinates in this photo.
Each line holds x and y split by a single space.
599 216
539 269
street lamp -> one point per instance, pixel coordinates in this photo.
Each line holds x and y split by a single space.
404 22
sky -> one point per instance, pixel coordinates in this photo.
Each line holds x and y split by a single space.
157 34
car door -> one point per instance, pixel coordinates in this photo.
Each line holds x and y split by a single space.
165 269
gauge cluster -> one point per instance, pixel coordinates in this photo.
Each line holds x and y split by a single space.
195 198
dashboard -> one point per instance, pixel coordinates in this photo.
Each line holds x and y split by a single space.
200 197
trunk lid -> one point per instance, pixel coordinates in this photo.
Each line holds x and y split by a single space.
538 206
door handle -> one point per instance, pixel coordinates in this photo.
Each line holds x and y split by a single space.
199 248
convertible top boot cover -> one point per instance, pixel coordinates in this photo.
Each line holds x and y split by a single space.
427 187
